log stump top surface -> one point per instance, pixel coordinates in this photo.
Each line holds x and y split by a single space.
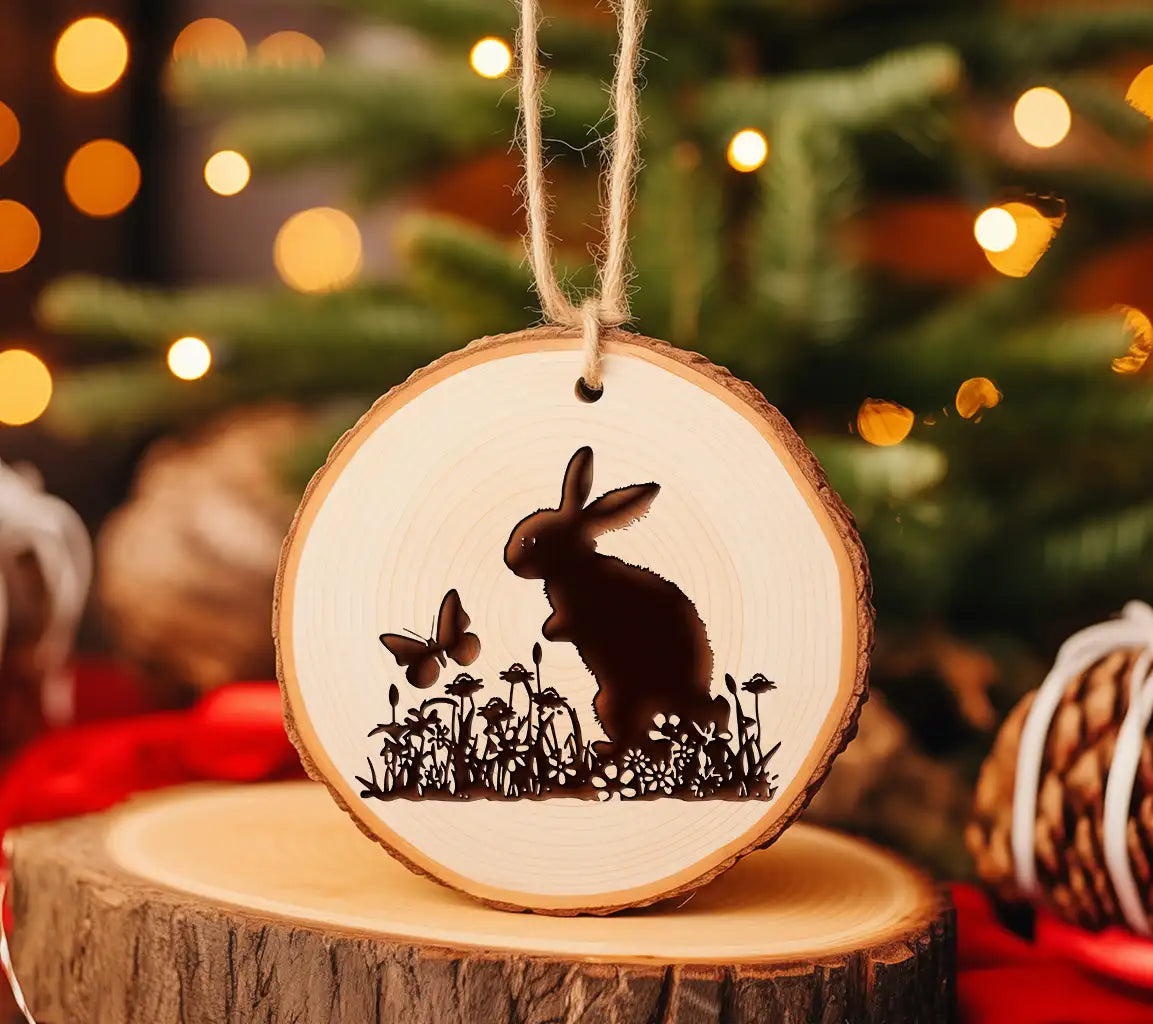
264 903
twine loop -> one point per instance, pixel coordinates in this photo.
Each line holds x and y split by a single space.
609 306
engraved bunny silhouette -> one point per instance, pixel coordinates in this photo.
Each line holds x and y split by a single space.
636 632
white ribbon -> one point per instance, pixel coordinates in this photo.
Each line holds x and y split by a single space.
6 958
48 528
1133 630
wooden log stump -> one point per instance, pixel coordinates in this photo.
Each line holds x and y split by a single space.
264 904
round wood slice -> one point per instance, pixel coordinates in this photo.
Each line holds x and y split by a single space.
564 655
262 904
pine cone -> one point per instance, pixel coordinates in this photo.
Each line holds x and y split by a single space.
187 564
1072 877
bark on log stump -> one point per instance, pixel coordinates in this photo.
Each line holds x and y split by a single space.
264 904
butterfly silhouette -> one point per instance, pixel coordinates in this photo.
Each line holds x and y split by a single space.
425 658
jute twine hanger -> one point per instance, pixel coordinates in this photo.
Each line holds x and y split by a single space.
608 306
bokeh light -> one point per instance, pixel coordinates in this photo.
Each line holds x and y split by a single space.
318 250
226 172
289 49
189 358
882 422
9 133
1042 117
995 229
1140 343
19 235
748 150
1140 92
975 395
210 41
491 57
1035 232
102 178
91 55
25 387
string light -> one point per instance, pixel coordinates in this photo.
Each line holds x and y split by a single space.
1035 233
289 49
210 41
189 358
1042 117
976 394
995 229
1140 344
884 423
1139 95
25 387
318 250
226 172
748 150
9 133
19 235
91 55
491 57
102 178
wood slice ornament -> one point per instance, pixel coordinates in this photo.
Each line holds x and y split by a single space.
643 530
639 626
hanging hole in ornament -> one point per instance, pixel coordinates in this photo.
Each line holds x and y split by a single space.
586 392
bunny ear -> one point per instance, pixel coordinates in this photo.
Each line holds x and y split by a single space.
578 480
618 508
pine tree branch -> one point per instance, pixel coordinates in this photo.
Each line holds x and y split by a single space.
567 38
479 283
858 100
812 185
250 321
398 122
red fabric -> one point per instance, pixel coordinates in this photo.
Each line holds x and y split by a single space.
1006 980
236 734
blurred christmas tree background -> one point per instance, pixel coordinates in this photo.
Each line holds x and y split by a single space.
923 229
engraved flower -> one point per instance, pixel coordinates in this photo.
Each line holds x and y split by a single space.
662 778
665 727
758 684
558 769
612 780
464 685
549 698
495 712
516 674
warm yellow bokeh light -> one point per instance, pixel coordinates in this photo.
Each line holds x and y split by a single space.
9 133
226 172
748 150
1140 344
189 358
91 55
1140 92
19 235
491 57
1042 117
102 178
884 423
995 229
289 49
318 250
25 387
976 394
1035 233
210 41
